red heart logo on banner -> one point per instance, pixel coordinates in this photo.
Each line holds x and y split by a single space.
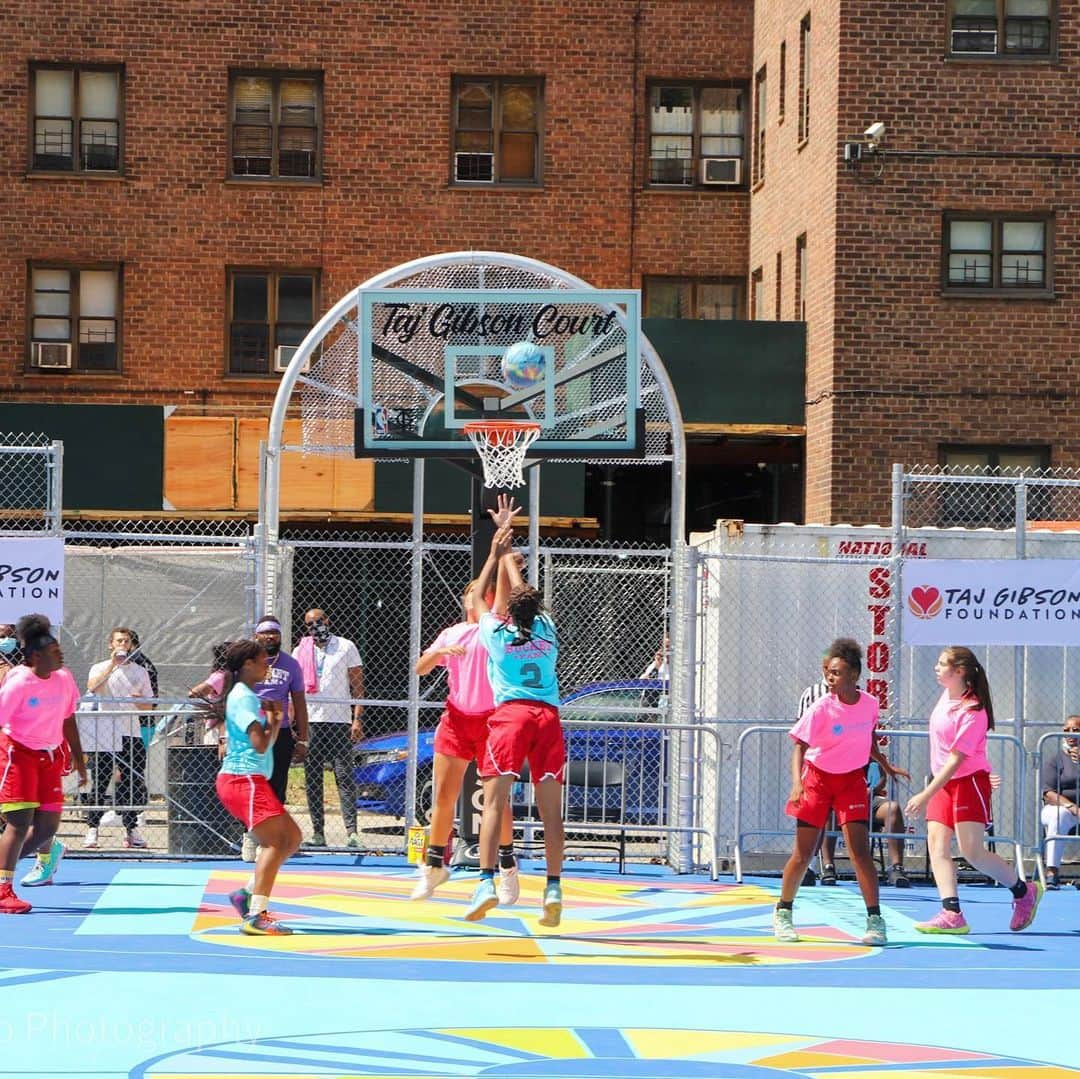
924 601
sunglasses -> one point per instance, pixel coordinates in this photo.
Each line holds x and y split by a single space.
317 622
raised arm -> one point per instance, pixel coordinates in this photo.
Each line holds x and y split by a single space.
500 543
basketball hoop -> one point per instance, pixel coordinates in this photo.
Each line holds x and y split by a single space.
502 445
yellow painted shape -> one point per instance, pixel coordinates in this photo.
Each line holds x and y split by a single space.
664 1044
800 1061
558 1044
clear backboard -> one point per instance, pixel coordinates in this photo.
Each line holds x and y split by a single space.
431 361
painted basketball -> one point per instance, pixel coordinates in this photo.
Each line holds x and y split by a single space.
523 365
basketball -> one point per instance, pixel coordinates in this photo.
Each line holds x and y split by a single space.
523 365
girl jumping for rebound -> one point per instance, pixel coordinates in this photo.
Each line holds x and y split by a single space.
834 742
243 785
37 716
462 734
957 799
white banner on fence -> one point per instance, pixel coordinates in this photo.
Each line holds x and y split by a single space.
992 601
31 579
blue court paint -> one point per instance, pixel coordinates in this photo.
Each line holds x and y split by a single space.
149 900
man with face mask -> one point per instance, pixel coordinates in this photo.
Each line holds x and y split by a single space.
334 673
284 684
10 654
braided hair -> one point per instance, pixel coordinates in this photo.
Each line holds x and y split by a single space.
523 607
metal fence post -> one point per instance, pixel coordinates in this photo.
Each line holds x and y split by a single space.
55 465
896 637
416 599
1020 651
534 524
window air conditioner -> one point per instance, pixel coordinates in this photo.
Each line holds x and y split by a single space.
283 355
51 355
474 168
721 170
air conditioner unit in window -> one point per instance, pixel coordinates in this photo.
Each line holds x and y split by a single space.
51 355
474 168
283 355
721 170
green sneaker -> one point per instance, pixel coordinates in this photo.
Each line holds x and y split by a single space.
317 840
353 842
783 927
875 931
45 868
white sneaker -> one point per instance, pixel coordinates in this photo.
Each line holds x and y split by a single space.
249 848
431 876
111 817
134 838
90 840
509 887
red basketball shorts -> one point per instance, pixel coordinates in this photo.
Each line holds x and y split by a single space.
824 792
462 734
964 799
248 798
31 778
520 731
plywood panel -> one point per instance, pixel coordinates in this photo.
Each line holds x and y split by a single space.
307 482
354 484
199 462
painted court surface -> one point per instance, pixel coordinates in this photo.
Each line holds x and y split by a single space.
139 970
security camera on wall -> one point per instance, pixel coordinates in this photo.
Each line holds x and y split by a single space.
875 134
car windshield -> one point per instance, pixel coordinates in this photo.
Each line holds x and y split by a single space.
623 704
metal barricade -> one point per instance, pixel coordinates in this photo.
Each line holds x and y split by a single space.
759 808
1057 824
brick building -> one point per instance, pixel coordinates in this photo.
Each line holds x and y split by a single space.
187 192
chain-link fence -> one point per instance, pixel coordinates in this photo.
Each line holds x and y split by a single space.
31 467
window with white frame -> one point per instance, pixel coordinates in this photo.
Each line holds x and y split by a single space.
74 318
697 135
274 125
1001 28
76 121
997 253
497 125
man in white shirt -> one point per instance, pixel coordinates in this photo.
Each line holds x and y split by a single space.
114 741
333 728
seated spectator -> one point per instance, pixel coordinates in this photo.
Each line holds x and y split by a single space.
1060 779
213 692
10 653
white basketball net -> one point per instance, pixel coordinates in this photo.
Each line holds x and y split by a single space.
502 448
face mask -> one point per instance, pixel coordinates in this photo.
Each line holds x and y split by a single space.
321 632
8 645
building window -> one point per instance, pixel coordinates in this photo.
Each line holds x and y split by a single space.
757 294
274 128
497 125
804 78
269 315
1001 28
800 278
688 297
76 119
982 505
759 126
997 253
74 318
782 88
697 135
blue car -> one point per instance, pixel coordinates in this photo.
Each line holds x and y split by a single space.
613 773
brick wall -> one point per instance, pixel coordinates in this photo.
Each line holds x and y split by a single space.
175 223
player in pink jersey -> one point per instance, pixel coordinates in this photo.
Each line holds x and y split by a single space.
957 799
834 742
462 734
37 731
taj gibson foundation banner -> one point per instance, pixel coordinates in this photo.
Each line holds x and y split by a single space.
992 601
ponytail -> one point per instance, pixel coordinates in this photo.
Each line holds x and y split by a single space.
524 607
976 684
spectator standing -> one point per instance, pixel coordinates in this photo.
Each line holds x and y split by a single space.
659 668
283 683
1060 781
333 672
116 741
213 692
144 661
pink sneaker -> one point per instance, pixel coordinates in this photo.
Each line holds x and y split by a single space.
945 921
1024 908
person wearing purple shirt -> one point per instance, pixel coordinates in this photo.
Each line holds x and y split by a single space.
284 682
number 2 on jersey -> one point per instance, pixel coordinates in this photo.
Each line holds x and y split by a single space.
530 676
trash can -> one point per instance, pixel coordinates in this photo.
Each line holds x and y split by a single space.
198 822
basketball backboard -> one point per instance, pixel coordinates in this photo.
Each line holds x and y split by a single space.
432 360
